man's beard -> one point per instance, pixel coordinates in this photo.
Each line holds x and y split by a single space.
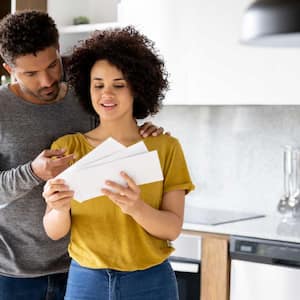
46 94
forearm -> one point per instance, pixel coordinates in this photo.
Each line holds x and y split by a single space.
57 223
17 182
162 224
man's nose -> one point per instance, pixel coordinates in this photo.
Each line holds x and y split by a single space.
46 80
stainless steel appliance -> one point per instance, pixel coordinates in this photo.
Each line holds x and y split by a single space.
264 269
187 272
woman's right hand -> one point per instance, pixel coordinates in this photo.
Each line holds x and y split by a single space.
58 195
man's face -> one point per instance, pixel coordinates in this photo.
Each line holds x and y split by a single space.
39 76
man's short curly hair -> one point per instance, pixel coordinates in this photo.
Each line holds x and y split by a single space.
134 55
26 32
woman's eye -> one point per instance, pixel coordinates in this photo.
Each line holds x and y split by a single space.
119 86
98 86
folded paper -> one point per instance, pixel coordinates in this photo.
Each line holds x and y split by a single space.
88 175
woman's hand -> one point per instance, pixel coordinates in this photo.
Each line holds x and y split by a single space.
127 198
164 223
58 195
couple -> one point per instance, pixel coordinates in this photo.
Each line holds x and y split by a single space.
118 243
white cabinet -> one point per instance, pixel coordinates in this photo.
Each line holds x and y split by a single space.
160 21
200 42
101 14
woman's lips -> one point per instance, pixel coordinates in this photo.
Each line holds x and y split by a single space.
108 106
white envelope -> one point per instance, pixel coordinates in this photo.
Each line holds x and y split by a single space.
137 148
88 177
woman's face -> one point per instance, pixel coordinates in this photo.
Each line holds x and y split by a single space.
111 95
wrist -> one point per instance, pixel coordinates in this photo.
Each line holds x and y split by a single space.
60 212
138 209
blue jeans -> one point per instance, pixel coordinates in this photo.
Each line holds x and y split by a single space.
51 287
156 283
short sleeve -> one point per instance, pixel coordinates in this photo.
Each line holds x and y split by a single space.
176 173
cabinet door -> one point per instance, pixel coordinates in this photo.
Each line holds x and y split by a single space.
160 20
31 4
199 40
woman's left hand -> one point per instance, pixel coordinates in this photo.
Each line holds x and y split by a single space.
127 198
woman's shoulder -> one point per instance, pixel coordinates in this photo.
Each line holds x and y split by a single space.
161 141
68 140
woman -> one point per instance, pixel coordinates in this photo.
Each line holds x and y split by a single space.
120 241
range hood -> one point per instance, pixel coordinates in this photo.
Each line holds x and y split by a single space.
272 23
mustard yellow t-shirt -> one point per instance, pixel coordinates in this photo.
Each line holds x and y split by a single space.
102 236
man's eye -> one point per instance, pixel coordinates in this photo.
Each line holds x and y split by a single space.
30 74
53 65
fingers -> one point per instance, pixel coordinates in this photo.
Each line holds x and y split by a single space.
148 129
145 126
130 182
117 189
53 152
62 161
154 131
116 197
131 190
57 194
54 186
45 167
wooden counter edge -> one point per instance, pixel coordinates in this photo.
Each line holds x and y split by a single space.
215 265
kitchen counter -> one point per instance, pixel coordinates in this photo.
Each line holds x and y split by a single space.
215 259
269 227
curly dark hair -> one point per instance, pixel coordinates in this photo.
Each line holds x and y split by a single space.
134 55
26 32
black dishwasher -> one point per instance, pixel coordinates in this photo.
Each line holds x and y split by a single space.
187 272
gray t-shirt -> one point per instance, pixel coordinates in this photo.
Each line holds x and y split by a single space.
25 130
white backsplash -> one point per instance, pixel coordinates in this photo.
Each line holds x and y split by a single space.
234 153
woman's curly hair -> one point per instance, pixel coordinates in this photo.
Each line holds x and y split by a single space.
134 55
26 32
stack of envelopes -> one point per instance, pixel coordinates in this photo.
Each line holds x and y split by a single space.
87 176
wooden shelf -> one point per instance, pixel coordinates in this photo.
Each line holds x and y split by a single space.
85 27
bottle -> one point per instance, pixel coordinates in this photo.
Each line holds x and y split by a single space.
289 204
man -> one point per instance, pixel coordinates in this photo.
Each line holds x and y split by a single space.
34 110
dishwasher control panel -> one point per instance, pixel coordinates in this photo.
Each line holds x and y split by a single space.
267 251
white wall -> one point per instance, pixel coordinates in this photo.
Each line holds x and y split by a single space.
200 41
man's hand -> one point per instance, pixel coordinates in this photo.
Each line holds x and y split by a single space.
45 167
148 129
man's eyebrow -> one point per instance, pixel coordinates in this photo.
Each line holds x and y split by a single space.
54 61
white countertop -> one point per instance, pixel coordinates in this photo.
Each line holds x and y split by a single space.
269 227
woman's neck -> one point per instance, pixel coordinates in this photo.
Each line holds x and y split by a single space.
125 133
